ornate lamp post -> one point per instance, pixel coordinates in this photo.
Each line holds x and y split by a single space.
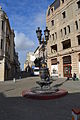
44 72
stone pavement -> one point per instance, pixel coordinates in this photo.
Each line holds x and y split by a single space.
14 107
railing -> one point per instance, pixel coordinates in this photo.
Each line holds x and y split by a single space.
69 50
65 51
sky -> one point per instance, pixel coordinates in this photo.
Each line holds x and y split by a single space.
25 16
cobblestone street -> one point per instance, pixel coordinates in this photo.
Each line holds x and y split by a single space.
14 107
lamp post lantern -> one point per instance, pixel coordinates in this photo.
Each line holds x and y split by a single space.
39 34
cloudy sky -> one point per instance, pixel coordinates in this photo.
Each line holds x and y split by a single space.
25 16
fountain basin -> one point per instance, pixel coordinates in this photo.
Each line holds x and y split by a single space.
44 94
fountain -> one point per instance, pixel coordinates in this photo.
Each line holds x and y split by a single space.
44 91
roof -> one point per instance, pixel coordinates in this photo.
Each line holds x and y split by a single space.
56 4
52 3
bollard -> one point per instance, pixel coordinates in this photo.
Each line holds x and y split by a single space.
14 80
75 114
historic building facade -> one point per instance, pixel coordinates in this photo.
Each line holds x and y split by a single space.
38 53
63 21
31 56
29 60
7 49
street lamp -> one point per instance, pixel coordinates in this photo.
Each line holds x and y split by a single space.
44 72
39 35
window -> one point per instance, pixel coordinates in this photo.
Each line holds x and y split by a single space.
52 10
54 48
48 12
65 31
2 25
56 4
64 14
54 61
61 33
78 39
67 60
78 3
53 36
66 44
56 35
68 28
62 1
76 23
1 43
52 22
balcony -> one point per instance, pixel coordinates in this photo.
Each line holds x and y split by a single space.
65 51
50 55
70 50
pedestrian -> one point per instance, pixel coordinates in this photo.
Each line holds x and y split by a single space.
74 76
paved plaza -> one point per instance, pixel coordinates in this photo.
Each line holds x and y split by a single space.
14 107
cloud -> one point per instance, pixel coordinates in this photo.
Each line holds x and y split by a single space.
28 26
23 42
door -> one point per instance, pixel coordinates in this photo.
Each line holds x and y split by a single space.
67 71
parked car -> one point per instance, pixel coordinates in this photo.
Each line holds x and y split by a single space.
36 71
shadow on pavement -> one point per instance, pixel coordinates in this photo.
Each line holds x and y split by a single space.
60 84
18 108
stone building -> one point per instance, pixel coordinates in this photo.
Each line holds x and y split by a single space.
31 56
16 64
63 21
29 60
39 53
7 48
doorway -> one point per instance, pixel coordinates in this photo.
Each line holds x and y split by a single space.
67 66
67 70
